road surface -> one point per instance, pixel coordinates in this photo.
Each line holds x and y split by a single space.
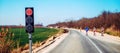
76 42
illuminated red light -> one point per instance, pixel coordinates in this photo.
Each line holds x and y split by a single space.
29 12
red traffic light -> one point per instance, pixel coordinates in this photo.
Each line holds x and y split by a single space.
29 12
29 19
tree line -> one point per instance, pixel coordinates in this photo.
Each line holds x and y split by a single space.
106 19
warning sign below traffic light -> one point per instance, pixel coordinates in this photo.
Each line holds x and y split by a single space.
29 18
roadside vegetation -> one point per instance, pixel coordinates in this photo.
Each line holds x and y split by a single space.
110 21
6 41
16 39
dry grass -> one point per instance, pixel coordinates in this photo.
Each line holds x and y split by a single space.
6 45
18 50
25 47
37 44
6 42
111 31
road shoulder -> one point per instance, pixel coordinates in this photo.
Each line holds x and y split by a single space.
56 42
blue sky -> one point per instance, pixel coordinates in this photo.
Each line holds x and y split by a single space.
12 12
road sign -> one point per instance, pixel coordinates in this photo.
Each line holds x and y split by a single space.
86 28
29 18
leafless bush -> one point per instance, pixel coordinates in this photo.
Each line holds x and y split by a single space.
6 42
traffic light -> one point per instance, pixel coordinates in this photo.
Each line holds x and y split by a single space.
29 18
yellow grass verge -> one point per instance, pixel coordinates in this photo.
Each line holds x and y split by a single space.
111 31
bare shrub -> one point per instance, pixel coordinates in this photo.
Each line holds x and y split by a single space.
6 42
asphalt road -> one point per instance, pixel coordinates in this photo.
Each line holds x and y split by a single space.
76 42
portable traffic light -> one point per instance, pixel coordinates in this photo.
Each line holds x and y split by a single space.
29 18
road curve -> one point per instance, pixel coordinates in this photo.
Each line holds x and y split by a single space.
76 42
71 44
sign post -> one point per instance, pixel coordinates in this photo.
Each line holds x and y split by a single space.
29 17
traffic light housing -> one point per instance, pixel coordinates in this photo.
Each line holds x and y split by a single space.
29 19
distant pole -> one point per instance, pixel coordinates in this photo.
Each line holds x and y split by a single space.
30 42
94 30
102 31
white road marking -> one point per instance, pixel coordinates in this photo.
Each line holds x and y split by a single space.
100 51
